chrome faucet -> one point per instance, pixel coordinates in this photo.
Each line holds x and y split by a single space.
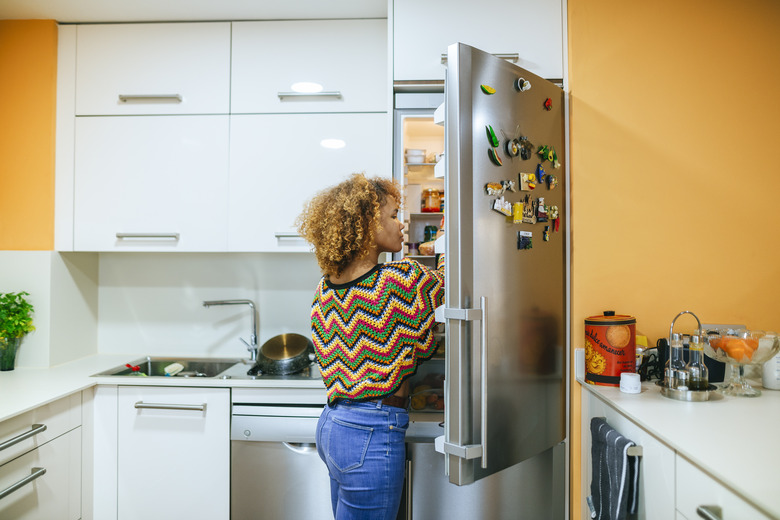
251 346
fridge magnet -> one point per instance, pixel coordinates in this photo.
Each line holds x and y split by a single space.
546 235
539 173
526 148
494 189
527 181
552 212
494 158
503 206
509 185
487 89
552 181
541 211
521 84
491 135
524 240
548 153
517 213
517 144
548 104
529 211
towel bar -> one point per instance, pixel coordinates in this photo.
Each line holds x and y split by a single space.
632 451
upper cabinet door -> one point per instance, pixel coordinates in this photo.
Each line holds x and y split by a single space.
166 68
531 29
346 58
279 161
151 183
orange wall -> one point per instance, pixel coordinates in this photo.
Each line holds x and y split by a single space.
28 77
675 125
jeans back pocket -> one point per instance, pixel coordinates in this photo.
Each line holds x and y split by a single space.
347 444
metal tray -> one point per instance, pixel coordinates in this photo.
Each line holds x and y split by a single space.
686 395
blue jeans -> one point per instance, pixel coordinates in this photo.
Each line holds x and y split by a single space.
363 445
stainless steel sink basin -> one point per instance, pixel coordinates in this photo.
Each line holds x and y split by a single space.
155 366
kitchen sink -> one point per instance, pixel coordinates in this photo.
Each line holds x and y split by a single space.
155 366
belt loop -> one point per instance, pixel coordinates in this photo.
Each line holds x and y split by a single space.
378 404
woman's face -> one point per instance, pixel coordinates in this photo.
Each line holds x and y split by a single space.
390 235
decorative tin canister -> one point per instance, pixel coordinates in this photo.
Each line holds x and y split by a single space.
610 348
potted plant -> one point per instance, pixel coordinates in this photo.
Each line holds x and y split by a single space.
15 323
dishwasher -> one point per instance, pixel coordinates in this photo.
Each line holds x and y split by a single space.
275 470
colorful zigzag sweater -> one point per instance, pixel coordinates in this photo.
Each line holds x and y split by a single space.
370 334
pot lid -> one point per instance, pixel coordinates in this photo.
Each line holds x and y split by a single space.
285 346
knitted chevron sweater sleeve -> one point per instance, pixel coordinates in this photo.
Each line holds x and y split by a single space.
370 334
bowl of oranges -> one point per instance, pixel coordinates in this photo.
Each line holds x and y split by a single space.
741 347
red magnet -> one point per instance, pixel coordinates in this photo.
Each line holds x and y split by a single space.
548 104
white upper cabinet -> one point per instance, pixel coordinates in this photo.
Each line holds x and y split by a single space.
531 29
346 58
166 68
277 162
151 183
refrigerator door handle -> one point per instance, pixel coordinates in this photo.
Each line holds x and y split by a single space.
473 451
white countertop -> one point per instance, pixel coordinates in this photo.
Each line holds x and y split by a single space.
732 438
24 389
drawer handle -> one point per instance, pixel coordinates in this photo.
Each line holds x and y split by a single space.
170 236
333 94
166 406
36 429
710 512
514 57
176 98
34 473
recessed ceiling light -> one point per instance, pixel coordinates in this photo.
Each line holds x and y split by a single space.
306 87
333 143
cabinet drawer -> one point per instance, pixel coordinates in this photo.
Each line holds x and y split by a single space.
59 417
167 68
695 488
348 58
54 494
151 183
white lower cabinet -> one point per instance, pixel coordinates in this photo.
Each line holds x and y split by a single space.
656 469
151 183
696 490
173 453
40 471
278 161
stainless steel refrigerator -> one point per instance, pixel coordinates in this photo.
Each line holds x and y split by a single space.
506 300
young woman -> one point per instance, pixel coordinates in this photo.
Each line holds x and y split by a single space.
372 324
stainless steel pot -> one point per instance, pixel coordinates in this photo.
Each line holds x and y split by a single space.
284 354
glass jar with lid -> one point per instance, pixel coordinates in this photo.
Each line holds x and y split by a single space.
431 201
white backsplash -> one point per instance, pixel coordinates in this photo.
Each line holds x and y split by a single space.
152 303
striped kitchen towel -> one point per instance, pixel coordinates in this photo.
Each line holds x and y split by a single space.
614 486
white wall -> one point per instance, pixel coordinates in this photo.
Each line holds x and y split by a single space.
63 291
151 304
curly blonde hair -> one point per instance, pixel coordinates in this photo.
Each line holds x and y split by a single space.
341 221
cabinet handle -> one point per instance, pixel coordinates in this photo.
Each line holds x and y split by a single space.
34 473
287 234
35 430
514 57
710 512
334 94
166 406
124 98
171 236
